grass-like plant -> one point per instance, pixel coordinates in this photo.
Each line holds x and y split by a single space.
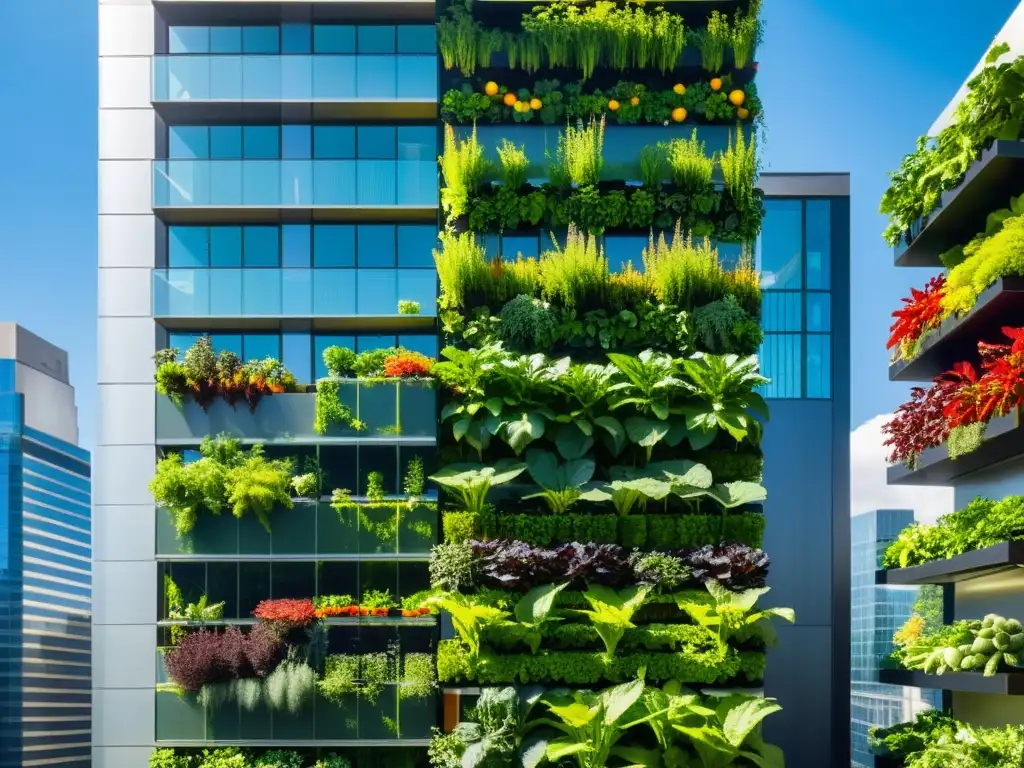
581 149
689 164
652 165
747 31
576 274
740 168
413 482
461 39
713 40
513 165
461 268
463 167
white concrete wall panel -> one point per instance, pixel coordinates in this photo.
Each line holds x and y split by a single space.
124 656
122 532
127 134
123 718
126 346
121 475
125 82
126 186
127 240
124 592
127 414
125 292
126 29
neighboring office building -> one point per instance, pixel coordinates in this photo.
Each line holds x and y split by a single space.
45 559
877 612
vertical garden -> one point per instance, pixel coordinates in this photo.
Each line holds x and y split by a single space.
600 425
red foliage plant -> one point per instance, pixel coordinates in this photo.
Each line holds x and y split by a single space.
407 363
299 613
921 312
920 423
1000 387
205 657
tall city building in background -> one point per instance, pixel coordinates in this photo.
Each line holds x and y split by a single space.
876 613
45 559
268 177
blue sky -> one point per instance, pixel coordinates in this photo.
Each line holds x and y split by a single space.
847 84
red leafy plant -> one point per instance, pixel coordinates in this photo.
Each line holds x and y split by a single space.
920 423
922 312
405 363
286 611
997 390
205 657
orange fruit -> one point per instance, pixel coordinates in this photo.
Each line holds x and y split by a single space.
510 99
491 88
679 88
737 98
716 84
742 113
679 114
635 100
613 105
536 103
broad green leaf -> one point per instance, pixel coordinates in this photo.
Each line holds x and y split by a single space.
741 715
639 756
450 410
712 746
576 714
614 433
533 751
676 433
495 405
738 493
576 473
645 432
460 427
770 755
701 438
617 701
571 442
535 605
543 468
523 430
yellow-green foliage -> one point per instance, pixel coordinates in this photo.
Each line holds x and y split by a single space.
461 267
463 167
258 484
986 260
740 167
575 273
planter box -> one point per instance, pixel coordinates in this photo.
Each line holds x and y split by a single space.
379 719
416 717
390 409
312 528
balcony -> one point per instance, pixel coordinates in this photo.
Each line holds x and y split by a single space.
341 298
214 191
385 86
389 721
311 529
395 413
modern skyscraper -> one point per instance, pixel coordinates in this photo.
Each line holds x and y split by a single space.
876 613
268 177
45 559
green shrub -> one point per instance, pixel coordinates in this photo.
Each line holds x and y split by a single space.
527 324
459 527
663 532
370 364
451 566
340 361
725 327
169 758
730 466
279 758
633 531
419 678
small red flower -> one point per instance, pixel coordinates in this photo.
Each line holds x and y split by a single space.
297 612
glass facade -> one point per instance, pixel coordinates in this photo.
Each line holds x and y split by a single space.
876 612
45 592
794 255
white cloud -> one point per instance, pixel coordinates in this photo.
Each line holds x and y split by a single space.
868 489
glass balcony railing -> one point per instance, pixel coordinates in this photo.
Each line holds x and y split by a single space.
294 183
290 292
295 78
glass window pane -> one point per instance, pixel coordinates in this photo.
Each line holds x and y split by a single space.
780 244
416 39
296 38
781 361
375 245
189 141
367 342
257 346
819 243
416 244
336 142
334 245
376 142
225 40
334 38
227 342
296 142
819 312
819 365
260 40
377 291
260 141
188 39
417 142
513 245
188 247
322 342
295 242
295 351
181 341
261 246
622 250
376 39
226 246
780 311
226 142
425 344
